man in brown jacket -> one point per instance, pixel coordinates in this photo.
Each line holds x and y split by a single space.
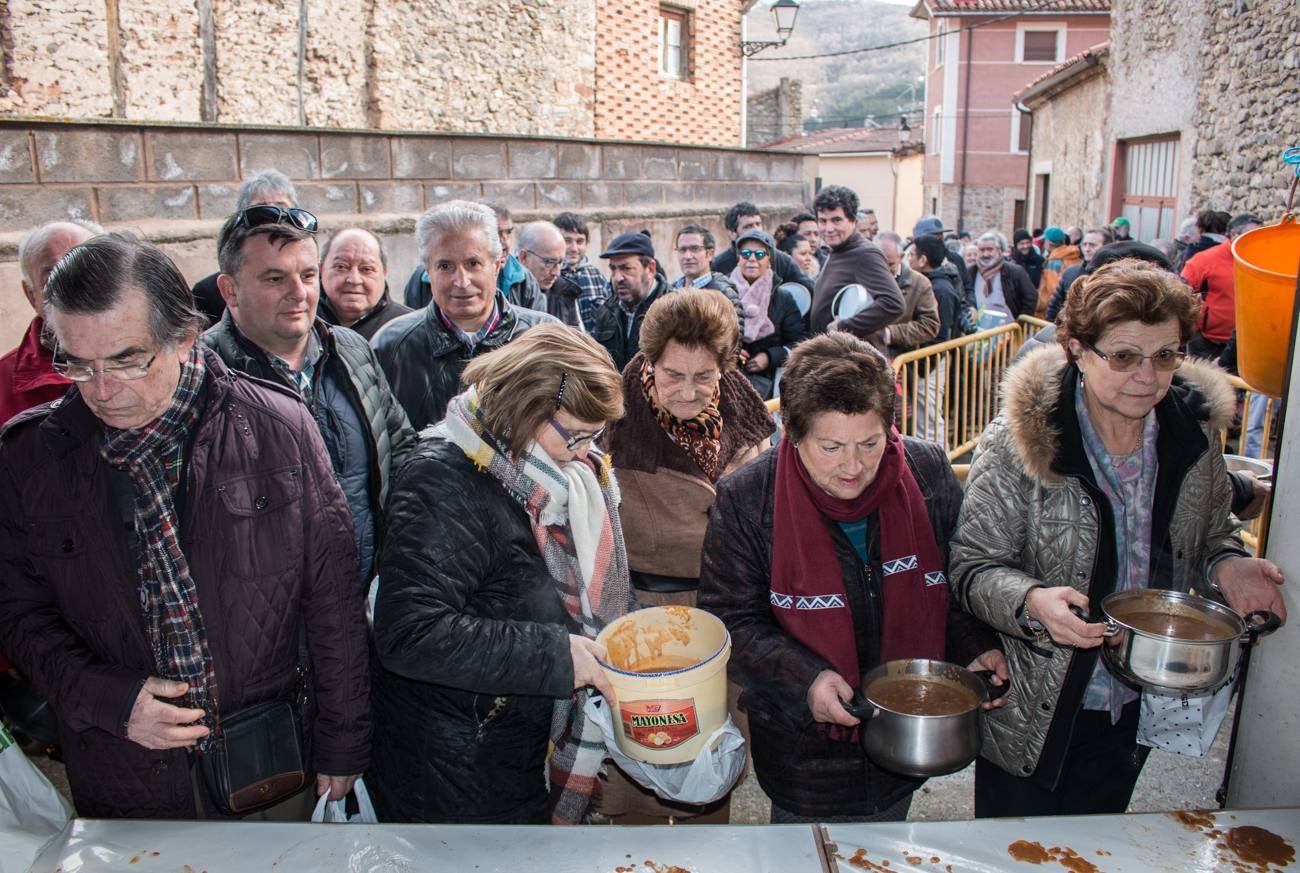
172 541
853 260
919 323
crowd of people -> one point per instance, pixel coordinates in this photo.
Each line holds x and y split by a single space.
274 531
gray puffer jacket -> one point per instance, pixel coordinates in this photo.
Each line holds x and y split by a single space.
1034 516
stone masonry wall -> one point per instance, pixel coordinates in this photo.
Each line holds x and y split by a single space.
986 207
1246 107
775 113
1071 132
500 66
176 184
635 102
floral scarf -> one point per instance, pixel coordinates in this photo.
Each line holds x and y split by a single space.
701 437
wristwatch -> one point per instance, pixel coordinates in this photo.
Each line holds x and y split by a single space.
1031 626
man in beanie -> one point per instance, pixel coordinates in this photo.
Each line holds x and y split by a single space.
1026 254
1120 229
1060 255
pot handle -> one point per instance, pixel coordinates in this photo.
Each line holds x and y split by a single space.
992 692
860 708
1111 627
1259 623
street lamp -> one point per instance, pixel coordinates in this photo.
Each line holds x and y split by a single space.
784 13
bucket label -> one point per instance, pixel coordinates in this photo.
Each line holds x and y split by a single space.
659 724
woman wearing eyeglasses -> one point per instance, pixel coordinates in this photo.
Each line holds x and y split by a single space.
773 323
1103 472
690 419
502 560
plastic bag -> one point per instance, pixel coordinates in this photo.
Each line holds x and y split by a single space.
31 810
336 811
704 780
1184 725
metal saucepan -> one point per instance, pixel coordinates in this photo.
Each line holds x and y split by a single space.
1261 468
923 718
1176 643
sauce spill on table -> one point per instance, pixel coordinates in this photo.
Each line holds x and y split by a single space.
1034 853
1258 846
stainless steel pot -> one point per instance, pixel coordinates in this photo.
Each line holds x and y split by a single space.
1176 643
923 745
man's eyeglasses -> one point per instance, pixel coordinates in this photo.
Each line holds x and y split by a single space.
129 372
1125 361
573 441
756 254
264 214
548 262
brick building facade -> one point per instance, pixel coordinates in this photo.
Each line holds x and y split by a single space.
532 67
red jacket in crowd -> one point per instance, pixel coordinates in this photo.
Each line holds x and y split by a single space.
1211 274
26 378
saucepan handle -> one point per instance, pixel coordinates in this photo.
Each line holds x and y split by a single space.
992 692
1259 623
860 708
1111 627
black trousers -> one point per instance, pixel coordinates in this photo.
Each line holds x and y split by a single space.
1101 767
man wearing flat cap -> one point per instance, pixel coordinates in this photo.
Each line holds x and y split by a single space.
638 282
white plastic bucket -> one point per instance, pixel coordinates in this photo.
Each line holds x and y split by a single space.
668 666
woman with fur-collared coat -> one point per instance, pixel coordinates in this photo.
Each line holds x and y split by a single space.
691 417
1102 473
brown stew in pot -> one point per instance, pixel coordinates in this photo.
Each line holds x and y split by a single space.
1191 628
916 695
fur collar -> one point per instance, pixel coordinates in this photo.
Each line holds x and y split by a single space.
1031 392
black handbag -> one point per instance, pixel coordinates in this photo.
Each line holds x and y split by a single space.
256 759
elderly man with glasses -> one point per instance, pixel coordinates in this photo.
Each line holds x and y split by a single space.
270 281
177 574
541 251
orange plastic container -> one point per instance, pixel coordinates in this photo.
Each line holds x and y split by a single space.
1267 260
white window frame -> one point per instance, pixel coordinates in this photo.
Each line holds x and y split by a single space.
936 138
1036 26
1016 118
939 41
684 46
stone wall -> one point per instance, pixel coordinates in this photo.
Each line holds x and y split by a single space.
985 207
1246 107
500 66
1071 137
176 184
635 102
774 113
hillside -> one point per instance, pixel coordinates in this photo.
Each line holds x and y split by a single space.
843 91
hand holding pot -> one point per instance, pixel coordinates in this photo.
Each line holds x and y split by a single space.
1249 584
996 663
1051 607
825 698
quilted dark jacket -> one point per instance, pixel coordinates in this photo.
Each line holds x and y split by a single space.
269 543
423 360
797 766
473 650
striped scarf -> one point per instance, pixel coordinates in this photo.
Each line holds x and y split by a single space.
574 512
168 596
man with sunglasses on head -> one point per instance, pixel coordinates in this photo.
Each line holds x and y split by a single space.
270 280
424 353
269 187
171 535
541 251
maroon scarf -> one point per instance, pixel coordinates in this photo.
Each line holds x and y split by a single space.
808 596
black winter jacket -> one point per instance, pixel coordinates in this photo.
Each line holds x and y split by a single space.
612 329
1021 295
423 360
797 766
791 329
473 649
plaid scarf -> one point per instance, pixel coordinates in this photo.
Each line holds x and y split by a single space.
574 512
168 596
701 437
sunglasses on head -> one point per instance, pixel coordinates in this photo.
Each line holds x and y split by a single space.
264 214
756 254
